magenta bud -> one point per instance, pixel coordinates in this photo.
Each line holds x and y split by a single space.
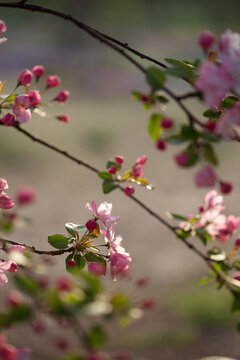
91 225
206 40
225 187
119 160
71 262
129 190
160 144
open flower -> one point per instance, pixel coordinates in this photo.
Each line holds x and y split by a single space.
6 266
21 108
102 212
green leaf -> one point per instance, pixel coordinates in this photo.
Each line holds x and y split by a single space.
189 133
177 216
235 305
156 78
204 236
71 228
213 114
4 320
209 154
229 101
79 266
176 139
21 312
162 99
238 327
184 234
109 186
181 69
154 126
112 163
210 136
58 241
96 337
136 94
27 284
236 264
206 280
105 175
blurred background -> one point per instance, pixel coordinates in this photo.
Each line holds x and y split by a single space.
189 320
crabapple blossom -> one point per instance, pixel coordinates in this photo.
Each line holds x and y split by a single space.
129 190
62 96
96 268
20 108
64 118
8 119
52 81
119 263
112 170
137 171
25 77
64 283
14 298
205 177
102 212
34 98
3 27
227 121
38 71
25 195
5 201
206 40
6 266
3 184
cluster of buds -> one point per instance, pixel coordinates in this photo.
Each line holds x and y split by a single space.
20 107
5 201
112 177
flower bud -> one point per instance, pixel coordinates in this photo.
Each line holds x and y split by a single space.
71 263
64 283
167 123
38 71
25 195
137 171
3 184
181 159
62 344
3 27
8 119
148 303
129 190
95 268
237 276
14 298
141 160
144 98
34 98
206 40
62 96
119 160
6 202
225 187
38 326
112 170
160 144
237 242
13 268
205 177
91 225
210 126
64 118
25 77
52 81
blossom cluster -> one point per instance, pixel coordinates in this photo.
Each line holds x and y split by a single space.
5 201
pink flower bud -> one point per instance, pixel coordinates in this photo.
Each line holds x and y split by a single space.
206 40
18 248
167 123
13 268
52 81
62 96
144 98
95 268
160 144
137 171
62 344
25 77
91 225
8 119
119 160
38 71
112 170
3 27
25 195
237 242
8 352
123 355
64 284
71 263
181 159
205 177
14 298
64 118
34 98
201 209
141 160
6 202
148 303
129 190
38 326
225 187
3 184
143 281
210 125
119 264
237 276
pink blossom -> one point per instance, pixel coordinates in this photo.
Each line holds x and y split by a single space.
206 40
64 118
232 223
14 298
205 177
96 269
5 266
141 160
62 96
5 201
3 27
25 195
8 119
18 248
137 171
38 71
167 123
64 283
3 184
8 352
214 82
119 160
229 41
114 241
129 190
227 121
112 170
34 98
38 326
210 125
213 201
237 242
52 81
102 212
21 109
119 263
25 77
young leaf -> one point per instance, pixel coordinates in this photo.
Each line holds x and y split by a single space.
154 126
79 266
96 337
209 154
105 175
27 284
156 78
176 216
58 241
109 186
